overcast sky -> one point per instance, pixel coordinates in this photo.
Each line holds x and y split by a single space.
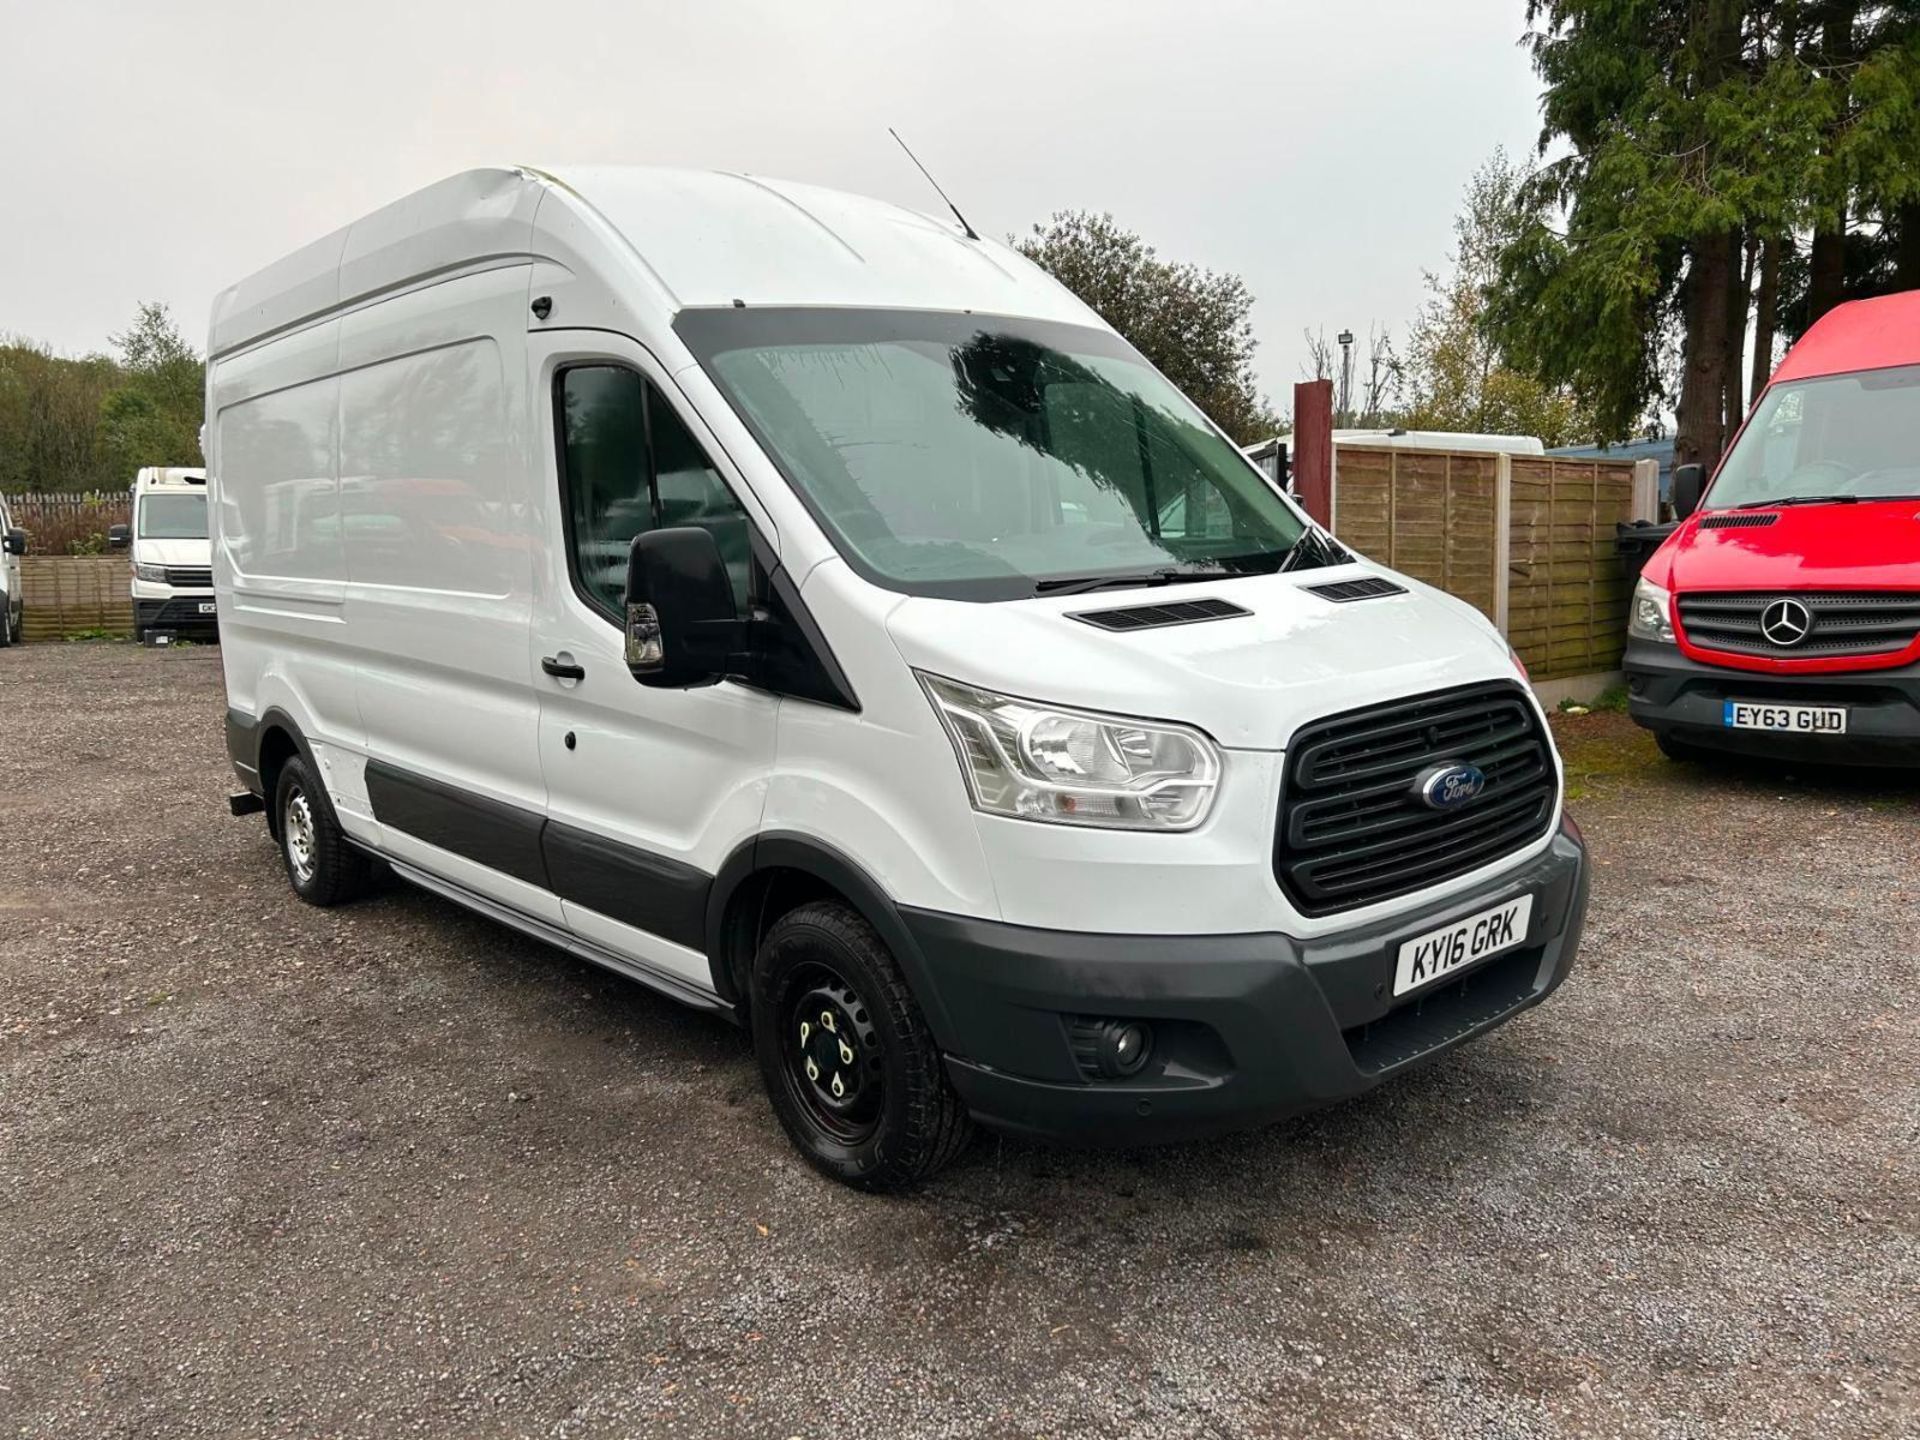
151 149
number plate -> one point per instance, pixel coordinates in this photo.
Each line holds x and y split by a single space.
1794 719
1440 953
207 607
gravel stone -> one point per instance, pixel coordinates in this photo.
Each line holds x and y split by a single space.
393 1169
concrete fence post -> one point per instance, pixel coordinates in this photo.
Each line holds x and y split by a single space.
1502 539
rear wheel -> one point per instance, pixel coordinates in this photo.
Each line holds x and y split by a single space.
9 629
322 865
848 1061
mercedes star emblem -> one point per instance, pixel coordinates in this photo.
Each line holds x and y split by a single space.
1786 622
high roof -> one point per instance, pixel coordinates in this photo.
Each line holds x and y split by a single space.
712 238
165 476
1860 335
699 237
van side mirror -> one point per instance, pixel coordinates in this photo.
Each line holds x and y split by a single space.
16 542
1688 482
119 537
682 628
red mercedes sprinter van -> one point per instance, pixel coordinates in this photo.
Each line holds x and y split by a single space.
1782 618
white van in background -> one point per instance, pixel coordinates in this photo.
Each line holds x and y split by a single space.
172 585
821 616
13 544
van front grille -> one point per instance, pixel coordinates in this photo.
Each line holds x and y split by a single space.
1839 622
1353 829
190 577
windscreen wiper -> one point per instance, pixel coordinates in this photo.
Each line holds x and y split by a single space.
1166 575
1315 541
1800 500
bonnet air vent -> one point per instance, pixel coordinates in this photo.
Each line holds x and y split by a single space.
1343 591
1738 522
1154 617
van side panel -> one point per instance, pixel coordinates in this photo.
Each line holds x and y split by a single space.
434 468
277 558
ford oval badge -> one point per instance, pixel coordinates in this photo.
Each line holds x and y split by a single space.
1442 787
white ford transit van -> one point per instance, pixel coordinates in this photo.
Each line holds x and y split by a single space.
172 585
821 616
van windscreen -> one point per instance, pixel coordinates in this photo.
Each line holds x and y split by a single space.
1840 438
172 517
980 457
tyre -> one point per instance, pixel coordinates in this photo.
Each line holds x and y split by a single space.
322 866
849 1063
1676 749
8 630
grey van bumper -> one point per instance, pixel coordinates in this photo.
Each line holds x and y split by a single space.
1671 695
1247 1028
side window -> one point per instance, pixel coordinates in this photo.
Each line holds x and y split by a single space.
629 465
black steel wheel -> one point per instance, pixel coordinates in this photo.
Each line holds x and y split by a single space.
853 1073
832 1064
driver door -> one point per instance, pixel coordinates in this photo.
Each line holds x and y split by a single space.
648 790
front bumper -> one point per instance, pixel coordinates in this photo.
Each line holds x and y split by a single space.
1672 695
178 613
1247 1028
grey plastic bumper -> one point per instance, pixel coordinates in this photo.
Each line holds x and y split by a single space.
1247 1028
1672 695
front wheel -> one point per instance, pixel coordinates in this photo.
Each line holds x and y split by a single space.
848 1061
1674 749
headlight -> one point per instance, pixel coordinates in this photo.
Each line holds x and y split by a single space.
1037 762
1648 616
155 573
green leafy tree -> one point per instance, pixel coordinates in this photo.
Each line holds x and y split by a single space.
1693 142
1191 323
153 343
1453 373
154 417
50 418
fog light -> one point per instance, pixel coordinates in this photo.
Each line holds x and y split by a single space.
1110 1049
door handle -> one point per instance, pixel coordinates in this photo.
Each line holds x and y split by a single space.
562 669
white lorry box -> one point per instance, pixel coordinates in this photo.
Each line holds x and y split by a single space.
820 615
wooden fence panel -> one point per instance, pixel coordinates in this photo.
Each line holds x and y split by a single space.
65 594
1435 515
1426 513
1568 594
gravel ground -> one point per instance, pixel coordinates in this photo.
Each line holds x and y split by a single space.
392 1169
